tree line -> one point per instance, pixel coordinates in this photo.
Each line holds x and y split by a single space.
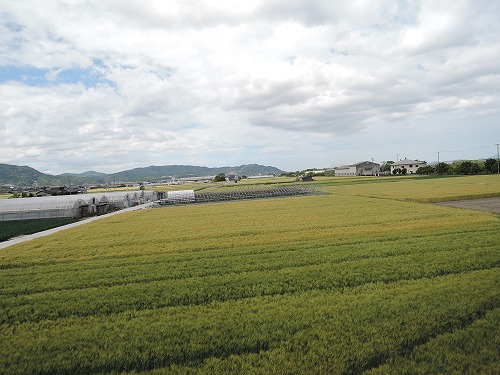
466 167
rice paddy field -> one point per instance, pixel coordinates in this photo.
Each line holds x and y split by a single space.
367 279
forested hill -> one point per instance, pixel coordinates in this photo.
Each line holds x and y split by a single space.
27 176
23 176
179 171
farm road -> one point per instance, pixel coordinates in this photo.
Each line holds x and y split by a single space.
29 237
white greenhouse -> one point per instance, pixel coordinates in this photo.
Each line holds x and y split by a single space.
75 206
124 199
180 197
43 207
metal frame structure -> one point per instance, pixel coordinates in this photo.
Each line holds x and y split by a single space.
237 193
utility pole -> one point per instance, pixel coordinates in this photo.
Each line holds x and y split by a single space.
438 157
498 160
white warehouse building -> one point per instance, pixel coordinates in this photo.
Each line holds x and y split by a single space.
363 168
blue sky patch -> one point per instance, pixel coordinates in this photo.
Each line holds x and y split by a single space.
32 76
13 26
27 75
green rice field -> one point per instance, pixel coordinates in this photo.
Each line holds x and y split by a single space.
367 279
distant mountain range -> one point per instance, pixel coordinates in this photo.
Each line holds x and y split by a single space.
27 176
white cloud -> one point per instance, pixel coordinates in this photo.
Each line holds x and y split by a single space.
292 83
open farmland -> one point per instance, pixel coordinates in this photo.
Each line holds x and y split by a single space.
423 189
364 279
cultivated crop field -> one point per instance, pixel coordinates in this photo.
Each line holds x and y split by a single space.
423 189
363 280
9 229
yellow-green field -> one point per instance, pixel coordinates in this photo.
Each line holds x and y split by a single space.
104 190
417 188
364 279
187 186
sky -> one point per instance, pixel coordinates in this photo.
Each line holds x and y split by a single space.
118 84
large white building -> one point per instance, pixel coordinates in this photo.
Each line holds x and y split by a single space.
411 166
363 168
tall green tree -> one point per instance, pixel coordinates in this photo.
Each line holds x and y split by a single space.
475 168
491 165
465 167
220 177
428 169
443 168
386 166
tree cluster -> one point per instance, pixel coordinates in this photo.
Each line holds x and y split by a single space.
309 172
220 177
466 167
403 171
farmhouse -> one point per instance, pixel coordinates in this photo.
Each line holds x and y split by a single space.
233 177
411 166
61 190
195 179
363 168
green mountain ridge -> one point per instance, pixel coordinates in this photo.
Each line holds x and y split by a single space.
84 174
27 176
23 176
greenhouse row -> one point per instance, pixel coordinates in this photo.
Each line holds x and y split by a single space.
236 193
75 206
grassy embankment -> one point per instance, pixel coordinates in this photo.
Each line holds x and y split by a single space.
349 282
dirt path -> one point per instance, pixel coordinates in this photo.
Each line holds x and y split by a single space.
482 204
29 237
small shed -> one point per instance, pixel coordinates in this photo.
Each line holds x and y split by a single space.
97 204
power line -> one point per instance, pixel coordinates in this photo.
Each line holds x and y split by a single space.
441 152
471 149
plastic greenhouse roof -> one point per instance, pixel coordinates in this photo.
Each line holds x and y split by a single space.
41 203
121 195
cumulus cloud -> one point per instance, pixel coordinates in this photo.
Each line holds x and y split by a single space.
108 85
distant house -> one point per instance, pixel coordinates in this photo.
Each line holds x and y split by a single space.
75 190
363 168
61 190
411 166
233 177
